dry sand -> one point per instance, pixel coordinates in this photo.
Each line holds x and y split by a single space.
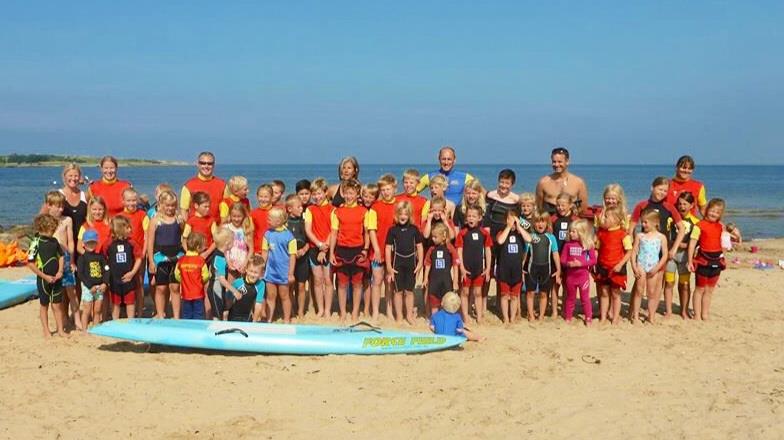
720 379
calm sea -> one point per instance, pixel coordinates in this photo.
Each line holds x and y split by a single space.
754 194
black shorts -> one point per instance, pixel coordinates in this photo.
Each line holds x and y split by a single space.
539 279
347 258
49 293
439 288
404 279
215 296
508 273
313 257
302 269
164 274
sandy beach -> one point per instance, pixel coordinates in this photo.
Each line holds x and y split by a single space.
678 379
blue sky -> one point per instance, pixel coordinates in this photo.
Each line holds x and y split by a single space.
290 82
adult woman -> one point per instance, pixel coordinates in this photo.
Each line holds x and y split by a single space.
347 169
109 187
75 206
682 181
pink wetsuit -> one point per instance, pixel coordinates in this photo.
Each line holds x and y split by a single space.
577 277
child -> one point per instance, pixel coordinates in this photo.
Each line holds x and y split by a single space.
578 256
368 194
706 259
243 244
668 215
677 267
278 188
509 264
564 209
436 214
348 246
219 286
55 201
730 237
441 263
383 214
302 189
192 272
438 185
613 196
93 271
202 223
236 192
247 294
473 245
279 250
649 255
403 259
139 223
46 260
614 248
159 189
296 225
542 266
164 239
96 220
473 195
527 208
125 260
410 181
318 229
448 322
264 197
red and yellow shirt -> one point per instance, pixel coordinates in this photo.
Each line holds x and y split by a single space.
192 272
203 225
350 222
319 219
259 217
612 244
212 185
111 193
708 235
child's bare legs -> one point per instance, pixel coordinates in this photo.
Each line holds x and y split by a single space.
504 303
707 296
161 298
514 307
398 304
615 294
685 295
73 303
285 302
174 297
464 302
604 301
139 292
554 300
43 315
97 306
543 298
479 303
376 280
410 311
342 300
87 312
302 296
59 313
320 287
356 299
668 288
637 290
529 305
272 299
653 288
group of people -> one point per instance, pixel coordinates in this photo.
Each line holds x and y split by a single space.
208 254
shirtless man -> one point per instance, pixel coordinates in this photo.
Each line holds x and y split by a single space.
560 180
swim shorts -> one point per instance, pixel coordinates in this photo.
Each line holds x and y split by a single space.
88 296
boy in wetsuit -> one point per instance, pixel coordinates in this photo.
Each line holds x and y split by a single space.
46 260
296 224
247 294
55 202
542 266
448 322
441 265
473 247
125 260
509 264
219 285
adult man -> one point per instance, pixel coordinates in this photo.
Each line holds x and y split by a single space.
456 180
204 181
560 180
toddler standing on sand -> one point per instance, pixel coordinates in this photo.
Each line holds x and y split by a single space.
45 259
125 260
649 255
706 258
578 256
192 273
279 250
614 248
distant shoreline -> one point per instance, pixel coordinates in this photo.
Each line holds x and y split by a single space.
123 163
16 160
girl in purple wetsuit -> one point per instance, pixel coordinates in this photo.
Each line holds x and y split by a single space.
577 258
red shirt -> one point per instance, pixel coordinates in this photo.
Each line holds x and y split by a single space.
709 235
259 217
350 224
111 193
213 186
418 203
318 217
190 271
202 225
104 235
695 187
138 220
385 219
612 245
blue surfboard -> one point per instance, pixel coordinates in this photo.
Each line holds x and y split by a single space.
15 292
274 338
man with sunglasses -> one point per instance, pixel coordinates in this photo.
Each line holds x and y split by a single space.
204 181
560 180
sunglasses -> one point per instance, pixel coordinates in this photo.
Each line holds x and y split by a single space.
201 162
560 150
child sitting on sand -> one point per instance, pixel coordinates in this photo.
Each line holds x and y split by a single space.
46 261
448 321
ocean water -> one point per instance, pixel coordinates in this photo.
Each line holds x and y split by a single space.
754 194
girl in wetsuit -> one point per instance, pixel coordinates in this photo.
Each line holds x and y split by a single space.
403 259
542 266
706 258
441 263
165 241
578 256
649 255
509 264
473 245
677 268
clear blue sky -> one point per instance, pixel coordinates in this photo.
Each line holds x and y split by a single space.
289 82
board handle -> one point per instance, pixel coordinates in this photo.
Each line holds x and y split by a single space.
368 327
231 330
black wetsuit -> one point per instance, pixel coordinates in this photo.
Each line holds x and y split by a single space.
539 263
46 252
473 241
242 309
509 265
121 259
440 258
168 242
561 230
215 290
404 240
302 266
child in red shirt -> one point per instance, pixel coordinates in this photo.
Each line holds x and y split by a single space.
317 228
192 272
706 258
615 249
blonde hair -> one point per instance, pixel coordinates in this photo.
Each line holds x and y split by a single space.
652 215
195 242
73 166
121 227
234 184
441 231
247 224
616 190
371 188
160 188
401 207
95 200
565 196
222 237
55 198
278 214
615 213
528 197
387 179
264 187
412 173
319 183
437 201
474 185
439 180
584 231
255 260
541 216
130 190
450 302
165 197
716 203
